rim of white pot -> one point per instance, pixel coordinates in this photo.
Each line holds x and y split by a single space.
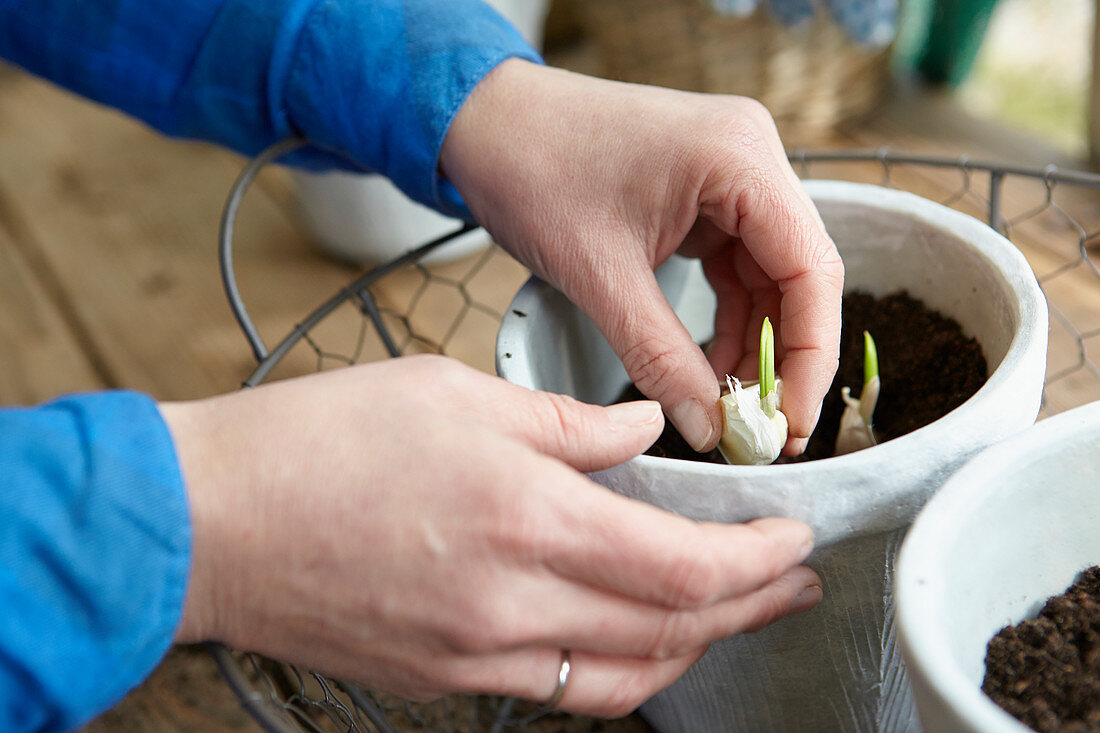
950 514
1008 264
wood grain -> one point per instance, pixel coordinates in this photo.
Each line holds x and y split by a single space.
127 222
40 356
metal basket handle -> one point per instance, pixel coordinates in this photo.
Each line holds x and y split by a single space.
225 255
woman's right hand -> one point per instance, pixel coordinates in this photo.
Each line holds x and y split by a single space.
422 528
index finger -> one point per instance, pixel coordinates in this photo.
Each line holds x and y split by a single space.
774 218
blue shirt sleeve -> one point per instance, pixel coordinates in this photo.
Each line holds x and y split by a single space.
374 83
95 549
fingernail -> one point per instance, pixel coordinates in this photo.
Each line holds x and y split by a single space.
634 414
809 597
692 421
796 446
805 550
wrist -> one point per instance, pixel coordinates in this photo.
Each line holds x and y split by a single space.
196 441
496 107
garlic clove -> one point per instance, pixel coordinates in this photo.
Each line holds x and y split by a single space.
856 431
754 430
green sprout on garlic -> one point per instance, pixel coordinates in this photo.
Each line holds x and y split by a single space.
754 428
767 367
857 423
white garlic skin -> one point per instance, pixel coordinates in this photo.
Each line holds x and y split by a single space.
750 437
856 431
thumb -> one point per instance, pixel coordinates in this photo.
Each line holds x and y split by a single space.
657 351
587 437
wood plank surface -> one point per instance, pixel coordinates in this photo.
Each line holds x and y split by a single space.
127 222
40 356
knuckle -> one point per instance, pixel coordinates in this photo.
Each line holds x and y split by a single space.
445 675
469 638
743 123
480 630
652 364
624 698
517 527
758 197
565 420
512 629
479 679
821 260
693 581
827 259
674 635
768 551
773 558
830 267
758 113
746 125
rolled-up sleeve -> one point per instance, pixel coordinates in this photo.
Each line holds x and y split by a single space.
373 83
95 551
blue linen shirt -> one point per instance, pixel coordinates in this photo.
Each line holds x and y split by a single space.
95 542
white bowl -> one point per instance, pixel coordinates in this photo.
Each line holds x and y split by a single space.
1010 529
365 219
835 668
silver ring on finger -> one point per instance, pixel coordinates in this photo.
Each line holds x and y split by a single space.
563 678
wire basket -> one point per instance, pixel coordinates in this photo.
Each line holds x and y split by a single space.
810 78
403 307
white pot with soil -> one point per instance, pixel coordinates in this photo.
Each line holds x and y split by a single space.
365 219
836 667
1010 529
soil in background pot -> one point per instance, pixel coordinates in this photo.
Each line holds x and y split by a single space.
1045 672
927 365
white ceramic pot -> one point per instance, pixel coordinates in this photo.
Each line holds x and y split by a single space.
367 220
363 218
835 668
1012 528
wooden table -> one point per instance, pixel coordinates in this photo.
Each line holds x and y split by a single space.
108 278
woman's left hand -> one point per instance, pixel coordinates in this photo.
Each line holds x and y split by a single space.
593 183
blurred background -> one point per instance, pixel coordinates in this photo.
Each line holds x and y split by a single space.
1033 71
1025 65
108 271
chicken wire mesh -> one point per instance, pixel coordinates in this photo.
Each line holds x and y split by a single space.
406 306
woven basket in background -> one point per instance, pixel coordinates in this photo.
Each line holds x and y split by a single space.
810 78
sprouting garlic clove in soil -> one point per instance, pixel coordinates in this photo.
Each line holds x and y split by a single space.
754 429
857 423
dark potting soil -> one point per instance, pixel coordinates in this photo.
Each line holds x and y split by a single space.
928 367
1046 672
